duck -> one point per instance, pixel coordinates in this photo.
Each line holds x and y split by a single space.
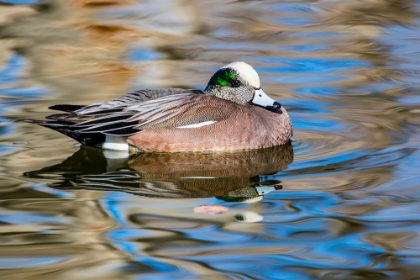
232 113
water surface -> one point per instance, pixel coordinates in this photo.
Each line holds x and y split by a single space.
341 202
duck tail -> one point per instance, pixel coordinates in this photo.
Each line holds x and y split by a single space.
91 139
66 107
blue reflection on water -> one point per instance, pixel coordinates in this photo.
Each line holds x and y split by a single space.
9 73
14 96
111 202
141 54
19 262
27 93
310 65
117 204
31 219
314 91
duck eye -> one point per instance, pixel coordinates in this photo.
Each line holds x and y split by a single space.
235 83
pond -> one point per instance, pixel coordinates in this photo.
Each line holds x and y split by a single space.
341 202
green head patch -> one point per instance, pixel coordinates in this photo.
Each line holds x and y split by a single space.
224 77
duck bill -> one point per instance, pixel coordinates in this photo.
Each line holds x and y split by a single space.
262 99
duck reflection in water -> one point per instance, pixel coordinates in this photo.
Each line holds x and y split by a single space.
231 176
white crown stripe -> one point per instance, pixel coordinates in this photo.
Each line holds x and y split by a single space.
245 71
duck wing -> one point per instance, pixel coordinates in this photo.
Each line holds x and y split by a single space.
112 109
107 117
131 99
182 109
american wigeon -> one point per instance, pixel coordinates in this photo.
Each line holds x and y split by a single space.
232 113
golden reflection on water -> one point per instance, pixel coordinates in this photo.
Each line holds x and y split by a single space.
179 175
348 207
70 53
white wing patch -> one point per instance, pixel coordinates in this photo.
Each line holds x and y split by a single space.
195 125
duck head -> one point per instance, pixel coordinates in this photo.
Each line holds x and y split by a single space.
239 83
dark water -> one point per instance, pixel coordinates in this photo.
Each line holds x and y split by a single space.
342 202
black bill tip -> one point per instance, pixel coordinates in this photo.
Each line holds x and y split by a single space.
276 105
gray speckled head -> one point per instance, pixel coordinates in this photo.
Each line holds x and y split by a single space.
237 82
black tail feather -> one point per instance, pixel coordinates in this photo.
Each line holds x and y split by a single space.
91 139
66 107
